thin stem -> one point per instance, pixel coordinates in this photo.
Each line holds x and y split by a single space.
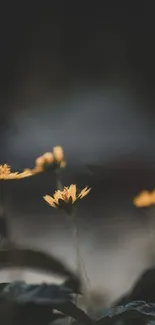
2 197
59 185
72 220
80 264
151 231
78 259
4 227
3 216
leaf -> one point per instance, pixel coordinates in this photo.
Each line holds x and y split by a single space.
70 309
74 284
29 314
137 312
44 293
32 259
29 300
143 289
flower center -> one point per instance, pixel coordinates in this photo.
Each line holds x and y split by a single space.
4 170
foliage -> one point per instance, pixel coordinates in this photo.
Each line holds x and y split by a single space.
134 313
25 304
143 289
33 259
42 304
30 304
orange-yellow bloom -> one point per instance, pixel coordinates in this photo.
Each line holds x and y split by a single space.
144 199
6 174
45 159
55 159
69 195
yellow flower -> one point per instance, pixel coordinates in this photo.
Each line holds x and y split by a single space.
5 173
68 196
144 199
53 159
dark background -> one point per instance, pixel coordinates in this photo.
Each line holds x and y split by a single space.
81 75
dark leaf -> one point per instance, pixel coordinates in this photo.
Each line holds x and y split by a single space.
28 314
47 294
23 299
143 289
135 313
32 259
70 309
74 284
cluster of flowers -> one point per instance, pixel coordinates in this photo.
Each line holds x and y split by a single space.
53 159
70 194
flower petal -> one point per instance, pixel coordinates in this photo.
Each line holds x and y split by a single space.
72 192
13 176
58 196
84 192
24 174
50 200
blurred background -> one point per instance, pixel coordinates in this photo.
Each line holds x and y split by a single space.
81 75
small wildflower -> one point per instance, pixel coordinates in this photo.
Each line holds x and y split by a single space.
144 199
53 160
5 173
67 196
41 162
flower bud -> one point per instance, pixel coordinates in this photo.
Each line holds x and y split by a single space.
39 161
48 157
58 154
